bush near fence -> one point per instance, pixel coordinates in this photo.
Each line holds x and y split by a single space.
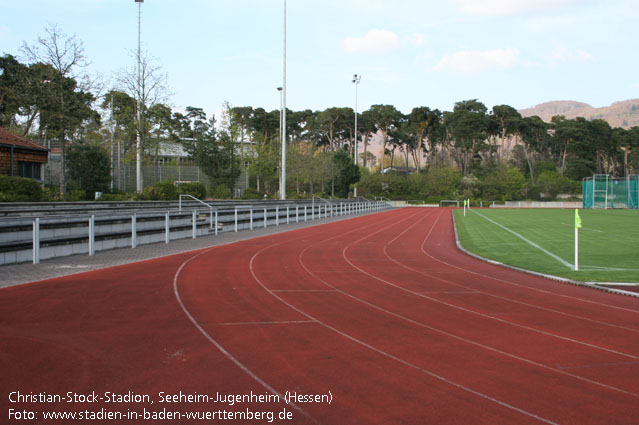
19 189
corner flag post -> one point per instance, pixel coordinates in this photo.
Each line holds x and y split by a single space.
464 208
577 227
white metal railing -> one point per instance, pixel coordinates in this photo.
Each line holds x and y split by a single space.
201 202
157 226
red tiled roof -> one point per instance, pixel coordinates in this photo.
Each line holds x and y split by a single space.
8 138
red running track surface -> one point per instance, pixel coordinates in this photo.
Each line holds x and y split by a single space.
382 312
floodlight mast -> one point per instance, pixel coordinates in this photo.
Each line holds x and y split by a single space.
356 80
138 144
283 170
280 89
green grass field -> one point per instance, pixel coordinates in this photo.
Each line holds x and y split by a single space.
543 240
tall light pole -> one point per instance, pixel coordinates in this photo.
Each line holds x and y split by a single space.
356 80
280 89
112 147
283 172
138 145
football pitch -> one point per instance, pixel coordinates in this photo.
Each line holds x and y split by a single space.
543 240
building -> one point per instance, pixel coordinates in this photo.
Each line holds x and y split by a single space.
21 157
400 170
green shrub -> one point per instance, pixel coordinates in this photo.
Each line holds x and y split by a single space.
221 192
441 183
251 193
163 191
195 189
76 195
505 183
88 167
51 193
19 189
550 183
295 195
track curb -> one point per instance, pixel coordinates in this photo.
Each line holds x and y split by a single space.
590 285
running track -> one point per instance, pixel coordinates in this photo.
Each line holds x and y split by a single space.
383 311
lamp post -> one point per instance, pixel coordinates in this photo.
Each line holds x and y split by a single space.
138 145
356 80
283 172
280 89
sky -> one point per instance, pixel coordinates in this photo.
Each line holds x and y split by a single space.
409 53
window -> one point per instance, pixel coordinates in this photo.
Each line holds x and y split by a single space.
29 169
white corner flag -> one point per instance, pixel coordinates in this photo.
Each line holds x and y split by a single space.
577 227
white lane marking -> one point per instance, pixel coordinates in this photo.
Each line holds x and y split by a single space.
223 350
488 293
508 282
290 322
212 340
531 243
474 342
388 355
303 290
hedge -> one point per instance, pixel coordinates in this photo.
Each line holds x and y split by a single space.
19 189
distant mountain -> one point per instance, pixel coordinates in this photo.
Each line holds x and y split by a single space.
620 114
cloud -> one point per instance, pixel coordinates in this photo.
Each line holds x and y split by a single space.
418 39
475 62
512 7
375 41
562 54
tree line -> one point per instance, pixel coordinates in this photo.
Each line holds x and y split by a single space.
45 95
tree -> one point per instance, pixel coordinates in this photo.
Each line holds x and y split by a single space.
366 127
299 158
15 92
68 105
467 126
535 142
573 138
346 173
504 183
63 52
89 167
329 122
242 116
197 116
506 125
421 120
150 91
385 118
403 137
216 155
628 143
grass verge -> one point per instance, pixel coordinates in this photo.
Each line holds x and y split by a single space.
543 240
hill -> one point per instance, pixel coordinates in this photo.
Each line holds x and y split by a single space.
620 114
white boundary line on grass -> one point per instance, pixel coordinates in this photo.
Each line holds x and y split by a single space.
594 285
561 260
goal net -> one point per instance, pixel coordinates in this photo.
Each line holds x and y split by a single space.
449 203
602 191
